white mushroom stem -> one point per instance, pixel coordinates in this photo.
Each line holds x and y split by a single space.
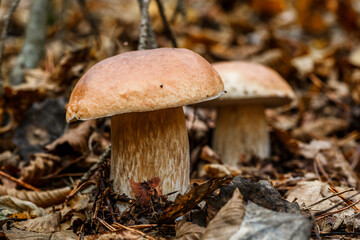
241 131
147 145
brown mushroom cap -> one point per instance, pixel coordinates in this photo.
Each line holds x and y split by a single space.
249 83
142 81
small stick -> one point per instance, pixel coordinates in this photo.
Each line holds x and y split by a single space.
347 201
79 188
337 211
4 31
166 24
21 183
108 226
334 195
133 230
150 226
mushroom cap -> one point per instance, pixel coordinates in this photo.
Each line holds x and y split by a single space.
248 83
141 81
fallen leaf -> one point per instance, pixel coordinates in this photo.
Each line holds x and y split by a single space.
262 223
306 193
228 219
41 199
145 190
262 193
44 224
75 139
118 235
12 205
216 170
209 155
188 231
41 164
186 202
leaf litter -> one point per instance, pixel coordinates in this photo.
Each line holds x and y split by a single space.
314 140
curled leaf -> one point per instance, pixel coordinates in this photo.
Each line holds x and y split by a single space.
41 164
41 199
228 219
188 231
76 139
44 224
12 206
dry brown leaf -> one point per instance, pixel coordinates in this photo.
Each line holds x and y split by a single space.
320 128
62 73
209 155
12 205
41 199
45 224
119 235
216 170
76 204
308 192
41 164
188 231
17 234
228 219
76 138
186 202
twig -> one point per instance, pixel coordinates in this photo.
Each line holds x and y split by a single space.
166 24
108 226
78 189
347 201
133 230
324 199
4 31
21 183
337 211
147 36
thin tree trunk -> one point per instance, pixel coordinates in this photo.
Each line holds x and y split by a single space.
147 38
33 48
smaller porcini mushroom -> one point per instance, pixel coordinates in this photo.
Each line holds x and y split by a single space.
241 128
143 92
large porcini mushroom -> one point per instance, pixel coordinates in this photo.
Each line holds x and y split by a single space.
241 128
143 92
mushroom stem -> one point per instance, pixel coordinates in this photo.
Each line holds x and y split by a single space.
146 145
241 131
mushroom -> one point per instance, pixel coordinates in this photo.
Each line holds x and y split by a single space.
241 128
143 92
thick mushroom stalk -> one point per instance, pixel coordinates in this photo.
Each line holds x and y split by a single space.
241 131
147 145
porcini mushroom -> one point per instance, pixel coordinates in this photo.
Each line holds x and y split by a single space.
241 128
143 92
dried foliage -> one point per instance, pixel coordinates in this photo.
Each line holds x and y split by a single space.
41 199
76 139
41 164
188 231
314 45
45 224
228 219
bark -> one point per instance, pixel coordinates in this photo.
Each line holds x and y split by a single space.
4 30
147 38
33 48
148 145
241 131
